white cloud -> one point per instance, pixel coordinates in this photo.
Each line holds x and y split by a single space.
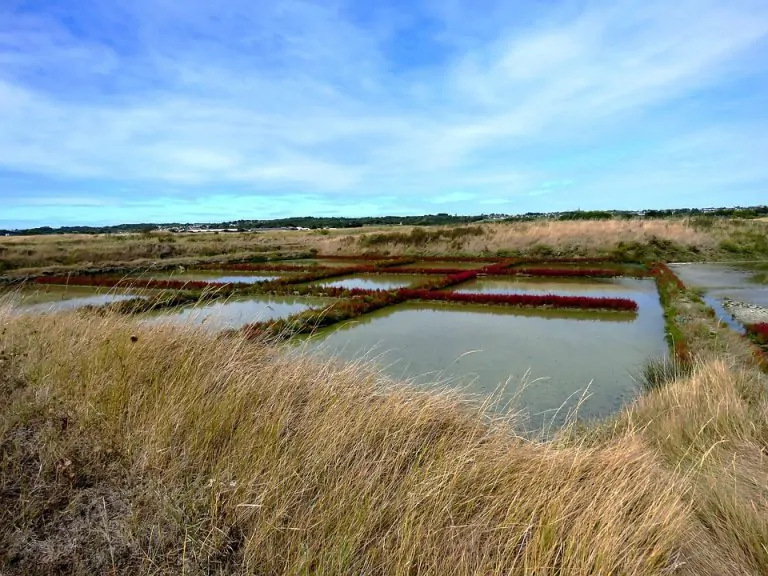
297 96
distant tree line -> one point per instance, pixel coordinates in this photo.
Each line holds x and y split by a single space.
314 223
737 212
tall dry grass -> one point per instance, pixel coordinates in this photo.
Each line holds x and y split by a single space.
650 239
655 239
138 449
83 250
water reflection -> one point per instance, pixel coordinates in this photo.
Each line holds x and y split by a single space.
59 298
236 312
224 277
374 281
479 348
719 282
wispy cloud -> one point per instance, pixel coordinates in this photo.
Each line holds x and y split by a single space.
298 107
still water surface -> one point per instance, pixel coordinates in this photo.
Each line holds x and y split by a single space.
374 281
740 282
595 287
237 312
558 354
39 298
225 277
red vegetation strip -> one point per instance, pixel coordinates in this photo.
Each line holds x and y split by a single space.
759 331
311 320
574 260
446 281
665 276
498 268
112 282
552 300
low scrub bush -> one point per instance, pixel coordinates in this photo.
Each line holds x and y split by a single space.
730 246
660 372
419 237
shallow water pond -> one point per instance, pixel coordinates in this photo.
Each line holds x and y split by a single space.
446 264
595 287
578 265
719 282
46 298
479 348
373 281
721 276
221 276
236 312
328 262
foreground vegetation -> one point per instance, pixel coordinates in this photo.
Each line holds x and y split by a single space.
161 450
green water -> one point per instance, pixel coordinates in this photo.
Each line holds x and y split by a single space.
547 359
374 281
236 312
595 287
42 298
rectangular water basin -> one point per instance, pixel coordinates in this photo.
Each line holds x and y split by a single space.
478 348
593 287
737 292
237 312
580 265
374 281
327 262
49 298
446 264
219 276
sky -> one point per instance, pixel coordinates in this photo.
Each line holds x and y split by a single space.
115 111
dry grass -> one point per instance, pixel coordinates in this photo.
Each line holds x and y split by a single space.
162 450
633 239
557 238
24 252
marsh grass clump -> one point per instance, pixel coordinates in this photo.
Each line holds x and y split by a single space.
660 372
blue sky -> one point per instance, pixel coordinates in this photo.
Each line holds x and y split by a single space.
160 110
